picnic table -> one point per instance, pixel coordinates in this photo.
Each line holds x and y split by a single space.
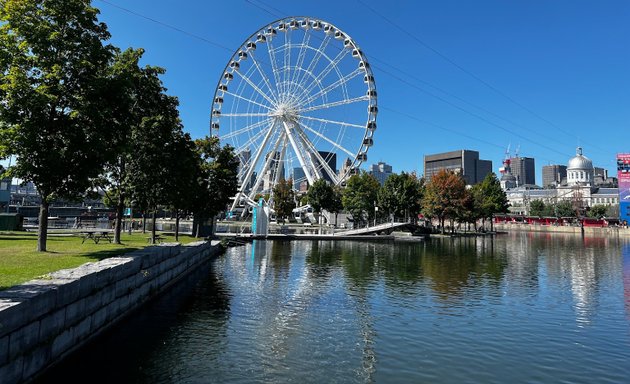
95 236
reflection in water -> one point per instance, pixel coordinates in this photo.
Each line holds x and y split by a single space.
474 310
626 276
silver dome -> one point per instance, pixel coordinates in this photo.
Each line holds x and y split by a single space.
580 161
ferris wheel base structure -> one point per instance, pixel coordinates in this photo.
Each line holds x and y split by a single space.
297 94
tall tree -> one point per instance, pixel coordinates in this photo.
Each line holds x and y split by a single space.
215 181
360 197
152 168
493 198
401 195
283 199
444 196
53 91
320 195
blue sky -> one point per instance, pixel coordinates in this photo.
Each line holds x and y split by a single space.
544 76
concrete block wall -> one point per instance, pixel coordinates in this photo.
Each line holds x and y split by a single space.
43 320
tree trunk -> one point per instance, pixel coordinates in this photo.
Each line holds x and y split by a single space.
42 230
491 224
441 224
144 222
153 219
119 215
176 225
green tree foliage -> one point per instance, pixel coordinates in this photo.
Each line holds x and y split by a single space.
537 208
283 199
215 181
320 195
444 196
153 167
53 94
401 195
139 90
491 197
360 196
598 211
565 209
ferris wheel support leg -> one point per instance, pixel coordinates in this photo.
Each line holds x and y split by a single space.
268 161
250 171
298 153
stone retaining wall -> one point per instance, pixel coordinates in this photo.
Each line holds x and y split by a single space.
588 231
43 320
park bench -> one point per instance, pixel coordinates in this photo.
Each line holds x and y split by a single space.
95 236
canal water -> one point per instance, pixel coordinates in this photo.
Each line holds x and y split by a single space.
519 308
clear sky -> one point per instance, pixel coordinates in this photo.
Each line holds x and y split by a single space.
543 76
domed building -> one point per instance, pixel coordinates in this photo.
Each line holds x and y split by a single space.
580 170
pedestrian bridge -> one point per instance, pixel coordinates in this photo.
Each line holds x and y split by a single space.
375 229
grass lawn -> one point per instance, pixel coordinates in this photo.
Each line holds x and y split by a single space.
19 262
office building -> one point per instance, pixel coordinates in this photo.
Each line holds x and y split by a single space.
464 162
553 175
331 160
523 168
381 171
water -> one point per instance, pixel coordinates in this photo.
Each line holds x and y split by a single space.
522 308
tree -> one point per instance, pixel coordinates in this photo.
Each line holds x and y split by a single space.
283 199
565 208
153 168
137 89
215 180
444 195
537 208
53 91
336 203
493 198
360 197
598 211
320 195
401 195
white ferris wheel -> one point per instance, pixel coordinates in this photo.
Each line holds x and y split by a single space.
297 100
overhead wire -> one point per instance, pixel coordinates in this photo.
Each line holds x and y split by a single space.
447 93
205 40
471 74
201 38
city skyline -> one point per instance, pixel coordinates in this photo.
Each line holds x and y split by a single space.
547 77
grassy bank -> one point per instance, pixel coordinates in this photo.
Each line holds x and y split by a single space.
19 262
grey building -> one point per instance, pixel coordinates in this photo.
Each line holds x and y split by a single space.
331 159
523 168
553 175
464 162
381 171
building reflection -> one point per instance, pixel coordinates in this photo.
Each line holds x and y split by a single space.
625 254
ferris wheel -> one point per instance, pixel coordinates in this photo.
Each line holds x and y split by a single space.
297 100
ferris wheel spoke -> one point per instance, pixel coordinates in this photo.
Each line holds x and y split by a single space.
307 168
245 129
318 55
324 164
274 65
331 142
300 59
244 114
335 104
341 123
267 164
255 87
252 166
246 99
334 85
287 62
263 75
331 66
